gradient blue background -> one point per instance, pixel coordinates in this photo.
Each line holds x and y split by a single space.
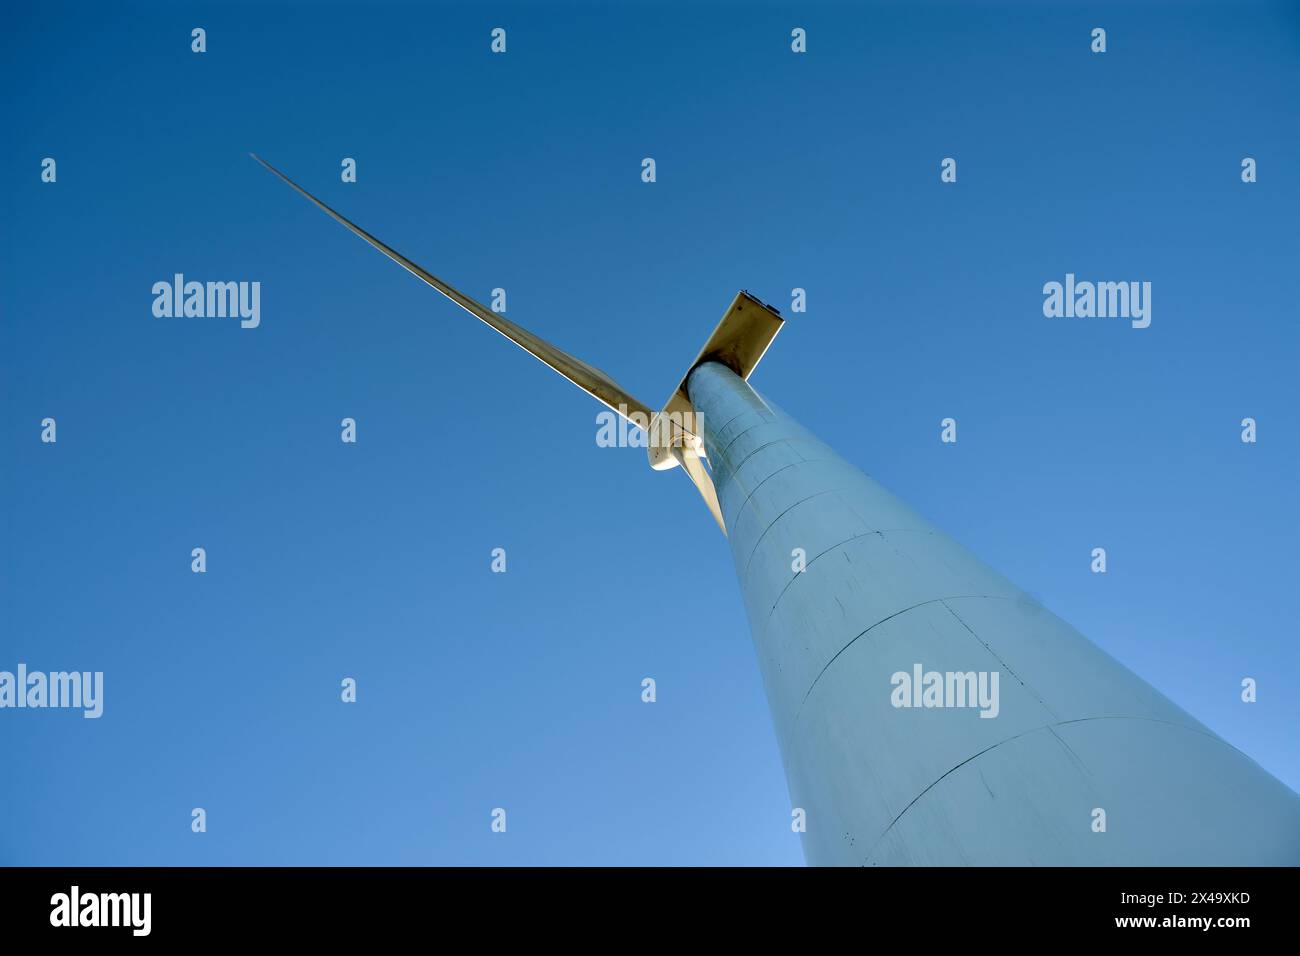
522 690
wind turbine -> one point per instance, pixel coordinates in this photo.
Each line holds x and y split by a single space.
928 711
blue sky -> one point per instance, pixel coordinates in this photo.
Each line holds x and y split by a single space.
522 171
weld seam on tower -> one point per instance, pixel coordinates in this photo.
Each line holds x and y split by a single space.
835 547
754 490
998 657
1025 733
836 655
772 524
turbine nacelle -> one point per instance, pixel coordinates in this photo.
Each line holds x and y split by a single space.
739 342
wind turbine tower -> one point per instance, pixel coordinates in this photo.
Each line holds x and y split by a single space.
928 711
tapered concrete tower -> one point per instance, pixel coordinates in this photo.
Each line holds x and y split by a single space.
927 710
1071 735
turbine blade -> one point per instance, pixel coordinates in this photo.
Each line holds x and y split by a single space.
590 379
703 482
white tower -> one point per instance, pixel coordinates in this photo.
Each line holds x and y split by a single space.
928 711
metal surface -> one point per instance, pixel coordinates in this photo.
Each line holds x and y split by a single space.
694 468
739 341
884 590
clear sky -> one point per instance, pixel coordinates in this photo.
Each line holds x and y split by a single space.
775 170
